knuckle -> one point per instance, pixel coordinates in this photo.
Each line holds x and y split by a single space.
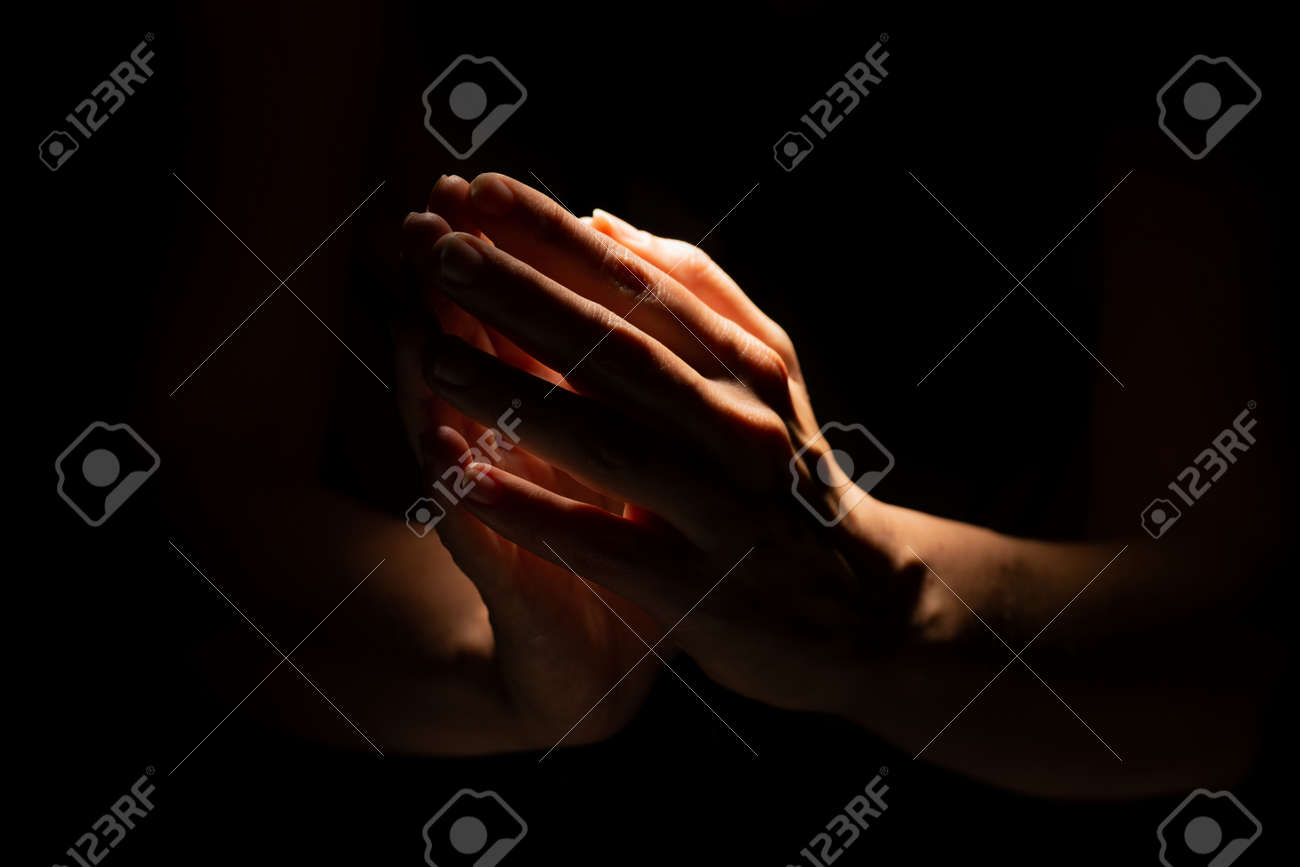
769 367
780 341
769 375
625 269
625 354
693 261
768 436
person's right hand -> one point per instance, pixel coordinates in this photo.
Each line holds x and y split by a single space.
559 644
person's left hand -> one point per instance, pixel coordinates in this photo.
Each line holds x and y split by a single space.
688 405
557 644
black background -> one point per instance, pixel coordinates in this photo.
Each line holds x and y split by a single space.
668 118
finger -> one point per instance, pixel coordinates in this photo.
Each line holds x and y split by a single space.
638 562
607 358
475 548
542 233
701 275
450 197
519 589
420 231
599 447
510 352
601 354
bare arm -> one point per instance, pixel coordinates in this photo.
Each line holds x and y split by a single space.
894 618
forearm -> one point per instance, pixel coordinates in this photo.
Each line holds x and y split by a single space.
398 637
460 707
1091 689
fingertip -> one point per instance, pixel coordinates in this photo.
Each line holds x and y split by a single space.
420 231
448 193
491 195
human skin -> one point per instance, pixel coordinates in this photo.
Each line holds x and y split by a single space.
882 618
412 656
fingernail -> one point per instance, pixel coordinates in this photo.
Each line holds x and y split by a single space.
484 489
459 261
622 229
446 191
489 194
